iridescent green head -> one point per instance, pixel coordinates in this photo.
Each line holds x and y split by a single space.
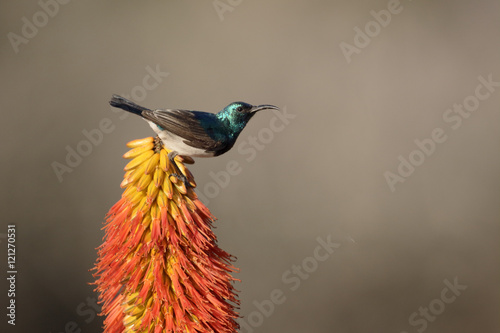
237 114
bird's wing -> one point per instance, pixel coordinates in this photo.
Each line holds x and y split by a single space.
186 124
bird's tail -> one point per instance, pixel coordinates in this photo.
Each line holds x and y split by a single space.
127 105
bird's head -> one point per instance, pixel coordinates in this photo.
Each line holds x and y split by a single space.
237 114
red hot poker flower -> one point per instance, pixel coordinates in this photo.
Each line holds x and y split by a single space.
159 268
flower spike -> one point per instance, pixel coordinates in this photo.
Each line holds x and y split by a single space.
159 268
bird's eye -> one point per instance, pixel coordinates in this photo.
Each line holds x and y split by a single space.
239 109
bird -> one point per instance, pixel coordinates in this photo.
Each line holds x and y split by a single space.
195 133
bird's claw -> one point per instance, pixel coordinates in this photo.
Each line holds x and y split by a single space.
182 178
178 174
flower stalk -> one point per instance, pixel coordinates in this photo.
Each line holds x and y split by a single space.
159 268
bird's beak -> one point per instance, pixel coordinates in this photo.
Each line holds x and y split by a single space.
263 107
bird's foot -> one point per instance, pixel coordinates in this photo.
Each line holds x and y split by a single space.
178 174
182 178
172 155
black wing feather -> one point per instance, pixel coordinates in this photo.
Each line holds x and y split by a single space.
185 124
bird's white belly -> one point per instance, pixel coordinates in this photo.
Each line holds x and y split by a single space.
176 143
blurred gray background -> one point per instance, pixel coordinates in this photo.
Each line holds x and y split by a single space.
319 173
